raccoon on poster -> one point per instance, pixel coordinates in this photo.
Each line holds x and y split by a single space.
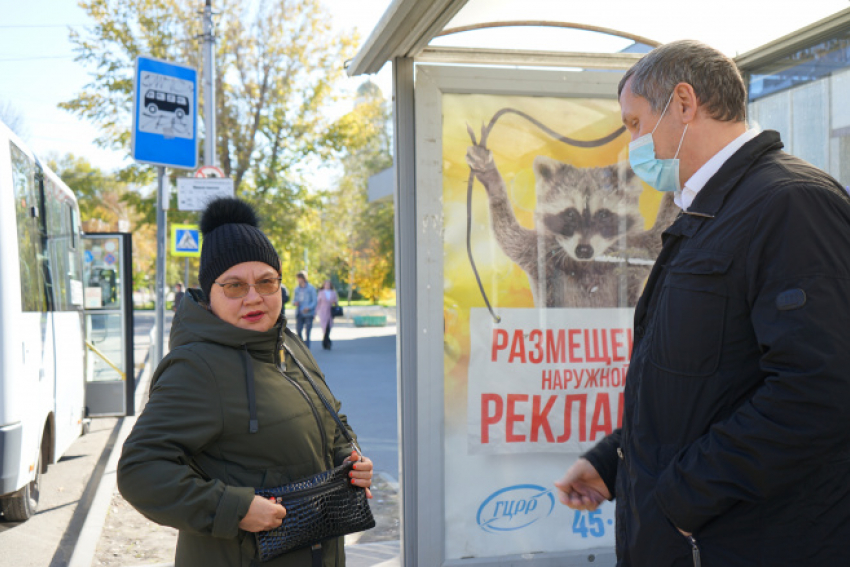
559 230
546 247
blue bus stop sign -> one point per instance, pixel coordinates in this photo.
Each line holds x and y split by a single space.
165 114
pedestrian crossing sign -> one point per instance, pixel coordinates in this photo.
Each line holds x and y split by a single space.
185 240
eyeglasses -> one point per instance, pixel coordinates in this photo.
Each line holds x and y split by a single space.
236 290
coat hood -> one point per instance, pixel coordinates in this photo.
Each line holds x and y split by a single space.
194 322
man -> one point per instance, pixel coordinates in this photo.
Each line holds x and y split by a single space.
304 301
735 445
178 296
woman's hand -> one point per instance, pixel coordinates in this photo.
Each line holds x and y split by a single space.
263 515
362 474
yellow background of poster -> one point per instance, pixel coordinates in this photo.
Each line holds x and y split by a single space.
515 142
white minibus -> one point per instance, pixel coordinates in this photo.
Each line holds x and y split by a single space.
42 335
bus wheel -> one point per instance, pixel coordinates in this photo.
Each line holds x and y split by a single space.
23 504
179 113
152 109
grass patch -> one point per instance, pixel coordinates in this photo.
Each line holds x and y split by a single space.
366 302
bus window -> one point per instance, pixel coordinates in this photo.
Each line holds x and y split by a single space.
72 223
58 245
30 251
75 276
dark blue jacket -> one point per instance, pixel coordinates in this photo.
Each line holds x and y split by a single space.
737 405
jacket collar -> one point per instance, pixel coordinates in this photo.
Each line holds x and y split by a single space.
710 199
194 322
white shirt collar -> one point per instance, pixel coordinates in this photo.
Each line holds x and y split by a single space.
686 196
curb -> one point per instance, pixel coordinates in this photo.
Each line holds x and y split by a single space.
388 479
86 546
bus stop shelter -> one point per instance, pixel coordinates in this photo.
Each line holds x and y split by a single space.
514 336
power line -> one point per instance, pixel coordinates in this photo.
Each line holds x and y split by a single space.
13 26
3 59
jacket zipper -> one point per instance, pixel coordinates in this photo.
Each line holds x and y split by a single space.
308 491
312 408
279 364
694 551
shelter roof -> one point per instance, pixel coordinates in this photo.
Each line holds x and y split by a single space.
417 29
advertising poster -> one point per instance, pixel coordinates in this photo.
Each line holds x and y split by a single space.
548 240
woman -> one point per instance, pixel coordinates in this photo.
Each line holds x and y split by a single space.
327 299
207 438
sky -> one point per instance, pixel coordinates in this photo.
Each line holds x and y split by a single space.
37 70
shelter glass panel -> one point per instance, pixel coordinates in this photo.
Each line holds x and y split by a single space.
802 67
840 127
773 113
102 273
810 120
548 240
105 362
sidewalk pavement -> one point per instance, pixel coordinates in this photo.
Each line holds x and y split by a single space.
116 535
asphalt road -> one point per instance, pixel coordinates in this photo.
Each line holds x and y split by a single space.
361 371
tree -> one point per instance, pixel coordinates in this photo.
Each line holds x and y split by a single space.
276 65
107 204
11 117
359 234
371 269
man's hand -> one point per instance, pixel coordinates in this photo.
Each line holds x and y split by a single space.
263 515
582 488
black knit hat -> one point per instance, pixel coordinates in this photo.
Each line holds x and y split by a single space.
231 236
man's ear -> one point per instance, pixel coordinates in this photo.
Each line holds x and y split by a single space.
686 101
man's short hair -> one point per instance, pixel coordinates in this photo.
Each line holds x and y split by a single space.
715 78
302 274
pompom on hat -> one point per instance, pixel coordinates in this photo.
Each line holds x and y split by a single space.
231 236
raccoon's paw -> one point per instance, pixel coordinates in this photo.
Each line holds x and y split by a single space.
480 159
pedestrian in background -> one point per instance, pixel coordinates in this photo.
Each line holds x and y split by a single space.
284 297
231 411
327 299
304 301
178 296
735 443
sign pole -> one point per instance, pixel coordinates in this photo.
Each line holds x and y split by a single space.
161 204
209 86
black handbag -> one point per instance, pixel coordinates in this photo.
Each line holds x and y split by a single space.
323 506
336 311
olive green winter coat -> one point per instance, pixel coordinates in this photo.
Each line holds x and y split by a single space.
191 462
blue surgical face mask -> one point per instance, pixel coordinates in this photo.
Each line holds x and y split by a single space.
660 174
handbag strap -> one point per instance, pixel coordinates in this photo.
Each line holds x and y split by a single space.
325 401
